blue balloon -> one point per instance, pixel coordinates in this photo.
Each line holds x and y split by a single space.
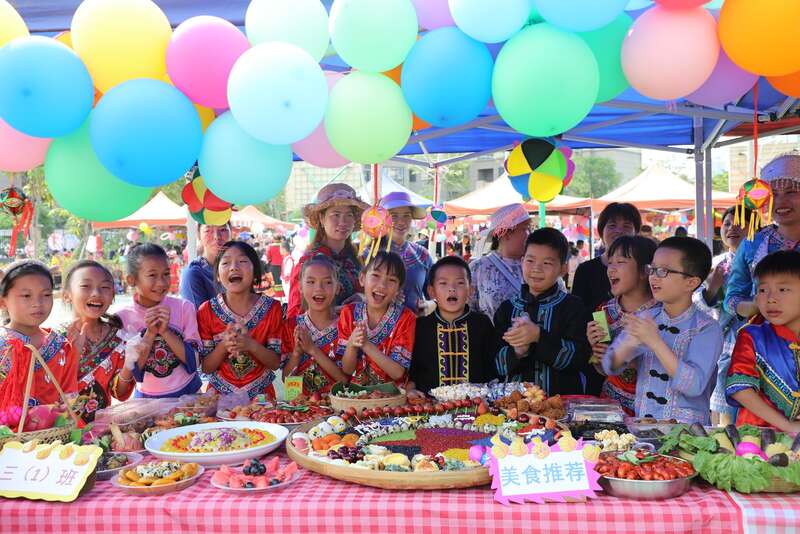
490 22
635 5
146 132
447 77
239 168
580 15
46 90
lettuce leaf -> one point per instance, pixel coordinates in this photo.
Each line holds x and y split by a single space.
680 439
728 472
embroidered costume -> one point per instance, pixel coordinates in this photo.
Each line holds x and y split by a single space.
447 353
622 387
15 363
347 267
555 360
766 359
496 280
393 335
315 379
164 375
418 262
98 373
241 372
696 340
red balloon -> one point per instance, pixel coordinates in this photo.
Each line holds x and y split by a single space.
681 4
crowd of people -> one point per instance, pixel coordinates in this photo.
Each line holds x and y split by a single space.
662 327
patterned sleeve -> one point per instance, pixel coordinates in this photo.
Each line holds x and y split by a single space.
697 368
742 373
567 348
69 380
287 340
205 322
474 269
403 339
345 330
191 336
294 308
740 282
275 328
608 357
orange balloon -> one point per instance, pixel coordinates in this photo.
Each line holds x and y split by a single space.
761 37
788 85
418 124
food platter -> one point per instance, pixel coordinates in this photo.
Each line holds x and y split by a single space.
158 490
133 459
155 443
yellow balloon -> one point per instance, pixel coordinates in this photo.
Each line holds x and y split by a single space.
207 116
65 38
544 187
11 24
119 40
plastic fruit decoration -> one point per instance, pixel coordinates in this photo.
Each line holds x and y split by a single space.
16 203
539 169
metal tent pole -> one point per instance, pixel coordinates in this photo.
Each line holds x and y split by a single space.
709 179
699 208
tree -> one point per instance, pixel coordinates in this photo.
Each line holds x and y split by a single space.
454 181
594 177
721 182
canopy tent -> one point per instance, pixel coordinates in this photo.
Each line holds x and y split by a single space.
629 120
250 216
159 211
388 185
500 192
658 188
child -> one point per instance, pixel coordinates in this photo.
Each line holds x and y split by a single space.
376 337
628 258
764 376
96 338
544 328
309 338
453 344
26 295
165 352
240 329
675 346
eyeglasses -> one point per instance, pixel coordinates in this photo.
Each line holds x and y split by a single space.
663 272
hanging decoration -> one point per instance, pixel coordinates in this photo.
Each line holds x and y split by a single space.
376 223
204 206
539 169
18 205
756 194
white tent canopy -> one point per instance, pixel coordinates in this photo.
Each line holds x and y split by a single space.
388 185
159 211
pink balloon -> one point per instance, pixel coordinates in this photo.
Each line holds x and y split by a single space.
727 83
433 14
200 57
670 53
316 149
20 152
681 4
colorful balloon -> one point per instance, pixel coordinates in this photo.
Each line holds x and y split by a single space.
606 45
200 57
433 14
239 168
680 4
545 81
417 123
81 185
670 53
204 206
761 37
490 22
316 149
368 120
207 116
579 15
373 35
11 24
447 77
277 93
46 89
303 23
727 83
121 40
146 132
538 169
20 152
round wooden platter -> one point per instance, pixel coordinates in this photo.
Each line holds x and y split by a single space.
340 404
436 480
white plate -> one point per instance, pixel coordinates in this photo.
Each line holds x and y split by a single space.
134 458
210 459
294 478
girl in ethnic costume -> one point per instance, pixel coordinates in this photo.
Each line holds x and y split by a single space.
376 337
309 339
240 329
97 339
628 258
26 295
166 349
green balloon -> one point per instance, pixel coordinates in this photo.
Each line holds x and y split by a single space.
606 45
545 81
81 185
368 120
373 35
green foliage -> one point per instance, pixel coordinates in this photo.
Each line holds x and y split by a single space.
721 182
594 177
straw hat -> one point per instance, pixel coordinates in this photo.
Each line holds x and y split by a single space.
401 199
333 195
507 218
782 170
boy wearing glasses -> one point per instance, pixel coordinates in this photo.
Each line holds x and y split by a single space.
674 346
764 376
543 328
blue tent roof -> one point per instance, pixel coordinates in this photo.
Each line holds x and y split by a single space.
652 123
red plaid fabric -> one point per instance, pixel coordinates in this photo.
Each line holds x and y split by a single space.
776 513
318 504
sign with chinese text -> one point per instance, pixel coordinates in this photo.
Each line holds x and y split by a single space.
46 472
293 387
538 473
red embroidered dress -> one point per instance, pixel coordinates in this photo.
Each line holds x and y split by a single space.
315 379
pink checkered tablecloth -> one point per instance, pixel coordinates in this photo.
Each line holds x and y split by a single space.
319 504
770 513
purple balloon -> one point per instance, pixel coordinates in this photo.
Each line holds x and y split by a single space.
433 14
727 83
